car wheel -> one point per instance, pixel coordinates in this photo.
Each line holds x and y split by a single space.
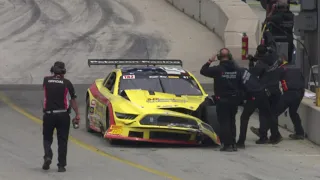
87 118
212 119
264 4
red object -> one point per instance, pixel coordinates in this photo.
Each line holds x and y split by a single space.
262 41
284 85
245 46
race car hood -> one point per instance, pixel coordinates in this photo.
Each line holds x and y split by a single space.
149 99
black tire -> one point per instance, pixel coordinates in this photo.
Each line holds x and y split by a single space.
87 118
212 119
264 4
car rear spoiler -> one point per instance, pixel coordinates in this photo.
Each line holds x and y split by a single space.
147 62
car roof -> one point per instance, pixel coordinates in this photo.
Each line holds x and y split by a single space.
154 70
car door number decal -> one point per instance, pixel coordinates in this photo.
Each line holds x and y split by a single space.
129 77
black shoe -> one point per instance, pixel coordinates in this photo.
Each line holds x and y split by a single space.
262 141
275 140
241 145
234 147
61 169
296 136
46 164
228 148
255 131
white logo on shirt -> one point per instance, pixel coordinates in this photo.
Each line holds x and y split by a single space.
55 81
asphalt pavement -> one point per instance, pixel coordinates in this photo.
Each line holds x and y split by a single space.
91 157
36 33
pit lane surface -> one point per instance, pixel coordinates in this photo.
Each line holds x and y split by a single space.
36 33
21 148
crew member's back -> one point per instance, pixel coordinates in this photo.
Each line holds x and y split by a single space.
57 93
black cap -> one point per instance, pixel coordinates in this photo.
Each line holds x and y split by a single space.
59 64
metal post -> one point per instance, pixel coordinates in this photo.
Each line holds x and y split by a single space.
318 56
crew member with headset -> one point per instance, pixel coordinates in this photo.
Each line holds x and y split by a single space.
227 82
56 109
280 22
266 68
293 92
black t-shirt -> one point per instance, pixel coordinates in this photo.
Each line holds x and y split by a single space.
227 80
57 93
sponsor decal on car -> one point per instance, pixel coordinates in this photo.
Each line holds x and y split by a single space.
153 100
151 77
173 77
116 130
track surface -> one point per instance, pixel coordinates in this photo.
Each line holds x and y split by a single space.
36 33
21 148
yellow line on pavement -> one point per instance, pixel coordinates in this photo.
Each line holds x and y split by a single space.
86 146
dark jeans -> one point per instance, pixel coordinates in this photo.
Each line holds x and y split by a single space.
226 111
267 106
292 100
248 109
60 122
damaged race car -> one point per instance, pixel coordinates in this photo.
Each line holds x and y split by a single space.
149 101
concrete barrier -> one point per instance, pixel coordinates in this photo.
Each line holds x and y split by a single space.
310 116
227 18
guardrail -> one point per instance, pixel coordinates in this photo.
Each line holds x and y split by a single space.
226 18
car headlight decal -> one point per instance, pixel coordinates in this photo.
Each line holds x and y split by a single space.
207 126
125 116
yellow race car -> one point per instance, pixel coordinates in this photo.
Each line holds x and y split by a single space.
147 101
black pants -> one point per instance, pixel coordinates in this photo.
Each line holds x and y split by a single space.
248 109
267 114
60 122
226 113
292 100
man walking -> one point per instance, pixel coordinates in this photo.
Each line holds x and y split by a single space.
56 109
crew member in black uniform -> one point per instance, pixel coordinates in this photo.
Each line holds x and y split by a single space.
293 92
257 97
280 22
57 91
266 68
227 93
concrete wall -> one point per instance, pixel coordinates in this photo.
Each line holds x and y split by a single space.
226 18
229 19
310 116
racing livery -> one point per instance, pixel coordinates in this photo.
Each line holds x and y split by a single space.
147 103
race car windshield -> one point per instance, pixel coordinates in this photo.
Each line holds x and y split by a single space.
177 85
